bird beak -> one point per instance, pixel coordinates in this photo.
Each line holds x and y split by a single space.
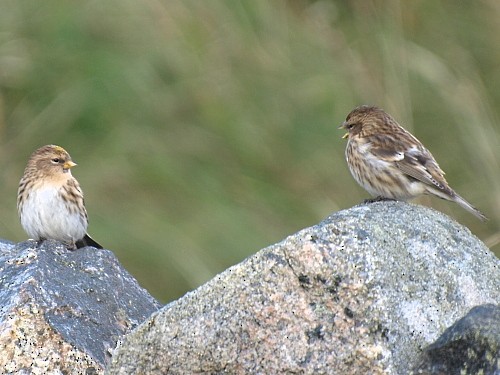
68 165
343 127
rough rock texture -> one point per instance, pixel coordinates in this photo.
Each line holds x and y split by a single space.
470 346
360 293
5 245
63 311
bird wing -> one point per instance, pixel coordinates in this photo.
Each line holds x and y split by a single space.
416 163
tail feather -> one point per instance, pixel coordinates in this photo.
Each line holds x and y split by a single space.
451 195
469 207
87 241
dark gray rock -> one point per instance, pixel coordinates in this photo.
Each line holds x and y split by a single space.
65 310
362 292
470 346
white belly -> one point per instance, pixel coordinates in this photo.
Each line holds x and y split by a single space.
45 215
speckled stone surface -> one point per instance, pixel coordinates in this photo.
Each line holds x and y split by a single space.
470 346
63 311
362 292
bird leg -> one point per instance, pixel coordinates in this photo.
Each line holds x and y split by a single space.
377 199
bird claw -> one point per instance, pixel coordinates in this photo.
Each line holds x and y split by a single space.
377 199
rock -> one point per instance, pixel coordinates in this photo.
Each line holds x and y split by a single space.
470 346
362 292
63 311
5 245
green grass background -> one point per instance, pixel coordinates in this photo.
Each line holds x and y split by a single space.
207 130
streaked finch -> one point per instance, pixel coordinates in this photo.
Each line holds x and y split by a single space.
50 202
389 162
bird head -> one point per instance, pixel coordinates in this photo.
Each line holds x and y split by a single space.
363 120
51 160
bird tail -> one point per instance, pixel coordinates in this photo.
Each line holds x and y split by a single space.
450 195
469 207
87 241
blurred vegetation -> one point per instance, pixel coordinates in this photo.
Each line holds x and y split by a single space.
206 130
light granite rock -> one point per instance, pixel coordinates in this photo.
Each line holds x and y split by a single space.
360 293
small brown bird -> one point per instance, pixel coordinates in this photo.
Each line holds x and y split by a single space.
50 202
389 162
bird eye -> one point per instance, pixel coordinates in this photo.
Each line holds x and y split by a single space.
350 126
56 160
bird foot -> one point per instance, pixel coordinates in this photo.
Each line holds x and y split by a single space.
377 199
